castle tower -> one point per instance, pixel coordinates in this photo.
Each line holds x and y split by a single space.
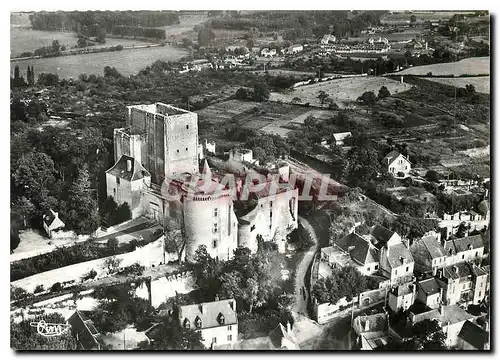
170 139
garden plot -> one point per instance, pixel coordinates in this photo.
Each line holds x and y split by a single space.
225 111
340 90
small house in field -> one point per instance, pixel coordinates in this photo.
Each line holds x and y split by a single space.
340 137
51 222
397 164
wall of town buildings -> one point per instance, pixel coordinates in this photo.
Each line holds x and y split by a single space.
220 335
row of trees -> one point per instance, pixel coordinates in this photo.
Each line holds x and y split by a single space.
137 31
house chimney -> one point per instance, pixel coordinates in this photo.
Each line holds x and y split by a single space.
231 304
288 327
367 325
129 165
440 295
402 82
402 259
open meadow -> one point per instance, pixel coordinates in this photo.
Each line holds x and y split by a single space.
340 90
127 62
469 66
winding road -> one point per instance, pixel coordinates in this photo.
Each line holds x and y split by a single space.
300 304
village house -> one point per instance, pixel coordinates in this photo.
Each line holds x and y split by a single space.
429 293
464 283
473 337
268 53
364 255
397 164
280 338
327 38
294 49
216 321
451 319
52 223
340 137
372 331
469 248
402 297
429 255
396 263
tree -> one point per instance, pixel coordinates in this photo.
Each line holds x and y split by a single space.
48 79
55 46
261 92
413 19
322 96
170 335
112 263
368 98
383 92
414 228
343 282
81 42
82 215
112 243
242 94
250 44
432 176
186 43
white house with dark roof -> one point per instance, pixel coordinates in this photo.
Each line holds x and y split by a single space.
396 263
340 137
429 255
51 222
372 330
402 297
469 248
216 321
364 255
429 293
397 164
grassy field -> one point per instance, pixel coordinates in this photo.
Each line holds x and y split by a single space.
23 40
422 16
127 62
481 83
469 66
341 90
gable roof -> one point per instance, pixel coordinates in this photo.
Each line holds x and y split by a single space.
342 135
381 234
476 241
119 169
393 155
362 252
278 334
429 286
474 335
433 246
457 271
209 312
397 252
85 330
51 219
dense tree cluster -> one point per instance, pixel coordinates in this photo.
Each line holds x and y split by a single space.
425 335
343 282
90 23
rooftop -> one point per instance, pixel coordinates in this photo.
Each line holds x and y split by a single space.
433 246
209 313
358 248
474 335
159 108
398 254
403 290
381 235
122 170
429 286
453 314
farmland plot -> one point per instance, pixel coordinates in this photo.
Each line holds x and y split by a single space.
481 83
340 90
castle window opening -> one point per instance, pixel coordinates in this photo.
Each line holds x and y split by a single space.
187 126
215 229
117 181
186 149
215 243
215 212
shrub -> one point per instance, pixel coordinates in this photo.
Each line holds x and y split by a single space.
90 275
56 287
17 293
38 289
